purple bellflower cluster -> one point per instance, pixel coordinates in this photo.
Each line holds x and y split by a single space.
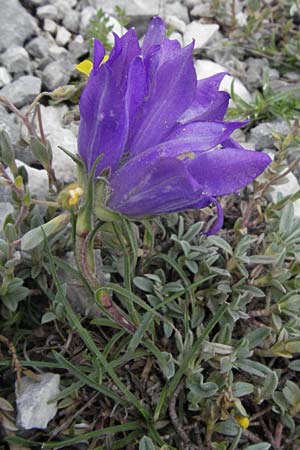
161 132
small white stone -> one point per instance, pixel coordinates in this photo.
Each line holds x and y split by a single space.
63 166
177 36
116 28
57 52
200 32
176 24
50 26
63 36
47 12
86 15
5 78
241 19
33 397
206 68
37 180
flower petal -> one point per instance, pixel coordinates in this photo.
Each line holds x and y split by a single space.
125 50
172 91
223 171
209 103
158 188
102 125
98 55
155 34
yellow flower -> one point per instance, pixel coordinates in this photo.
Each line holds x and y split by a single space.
244 422
86 66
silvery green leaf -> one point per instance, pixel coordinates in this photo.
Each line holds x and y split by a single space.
48 317
257 336
260 446
143 284
280 401
253 367
227 427
295 365
167 364
291 392
239 389
262 259
286 219
220 243
146 444
269 386
192 266
193 231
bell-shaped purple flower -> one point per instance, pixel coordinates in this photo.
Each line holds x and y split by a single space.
161 132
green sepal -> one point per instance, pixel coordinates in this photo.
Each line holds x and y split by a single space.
43 153
35 236
100 196
7 153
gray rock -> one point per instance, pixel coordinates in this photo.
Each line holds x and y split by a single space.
132 8
33 400
202 10
15 59
286 186
176 24
58 53
63 36
261 135
16 24
5 78
178 10
38 47
64 166
50 26
78 47
37 180
201 33
47 12
86 15
8 123
56 74
71 21
5 209
22 91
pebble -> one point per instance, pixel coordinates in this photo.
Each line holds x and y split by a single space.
78 47
34 406
71 21
5 77
38 47
8 123
47 12
58 53
201 33
16 24
63 36
37 180
52 117
177 9
175 23
56 74
132 8
16 59
22 91
261 135
50 26
205 68
202 10
86 15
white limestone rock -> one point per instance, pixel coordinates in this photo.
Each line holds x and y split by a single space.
176 24
202 33
33 397
37 180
